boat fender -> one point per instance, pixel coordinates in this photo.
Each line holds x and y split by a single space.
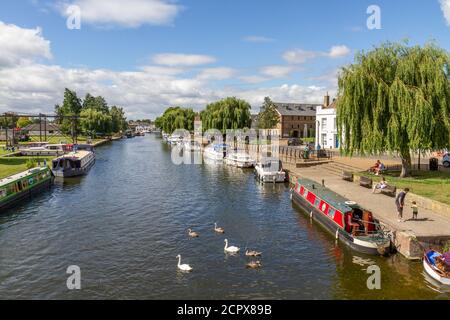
337 234
290 195
311 215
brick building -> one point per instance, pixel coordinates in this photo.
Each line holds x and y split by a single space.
297 120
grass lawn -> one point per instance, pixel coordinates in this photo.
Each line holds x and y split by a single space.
58 139
429 184
13 165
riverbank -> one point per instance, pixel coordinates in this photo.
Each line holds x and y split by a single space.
410 237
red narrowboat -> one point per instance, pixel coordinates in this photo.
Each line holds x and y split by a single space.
350 223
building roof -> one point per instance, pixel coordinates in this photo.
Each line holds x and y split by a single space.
296 109
43 126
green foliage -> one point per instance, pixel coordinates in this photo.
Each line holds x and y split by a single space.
229 113
396 99
268 118
446 247
176 118
96 117
23 122
31 163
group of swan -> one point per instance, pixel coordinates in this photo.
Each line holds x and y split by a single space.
228 249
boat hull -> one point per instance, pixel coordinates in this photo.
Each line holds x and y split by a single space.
354 243
26 195
430 270
265 177
70 173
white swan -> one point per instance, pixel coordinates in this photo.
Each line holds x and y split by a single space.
252 253
217 229
183 267
231 249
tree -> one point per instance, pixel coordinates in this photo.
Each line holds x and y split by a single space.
268 118
176 118
118 119
396 99
23 122
94 122
71 107
229 113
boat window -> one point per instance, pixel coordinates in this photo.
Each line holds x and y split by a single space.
332 212
19 186
77 164
2 193
317 203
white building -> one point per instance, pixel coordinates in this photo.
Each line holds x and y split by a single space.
326 128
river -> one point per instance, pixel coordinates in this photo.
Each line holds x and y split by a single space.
125 222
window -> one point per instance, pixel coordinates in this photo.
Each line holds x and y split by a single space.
334 124
324 123
324 139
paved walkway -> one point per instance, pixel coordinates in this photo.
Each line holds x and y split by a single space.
383 207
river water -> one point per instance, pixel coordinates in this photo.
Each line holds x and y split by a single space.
125 222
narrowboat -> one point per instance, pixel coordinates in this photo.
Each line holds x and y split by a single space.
350 223
269 170
437 267
23 185
73 164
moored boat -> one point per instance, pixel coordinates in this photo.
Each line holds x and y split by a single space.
23 185
350 223
73 164
240 159
436 267
269 170
192 146
45 150
215 152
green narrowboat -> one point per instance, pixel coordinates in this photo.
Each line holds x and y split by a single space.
23 185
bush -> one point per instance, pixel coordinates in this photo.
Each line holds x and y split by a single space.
446 247
31 163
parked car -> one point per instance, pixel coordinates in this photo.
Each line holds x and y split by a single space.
446 160
293 142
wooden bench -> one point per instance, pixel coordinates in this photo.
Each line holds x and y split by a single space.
389 191
347 176
365 182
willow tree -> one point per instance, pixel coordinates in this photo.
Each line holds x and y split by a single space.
229 113
176 118
395 99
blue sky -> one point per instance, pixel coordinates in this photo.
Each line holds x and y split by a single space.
146 55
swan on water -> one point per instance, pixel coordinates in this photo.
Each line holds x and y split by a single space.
252 253
254 265
231 249
192 234
183 267
218 229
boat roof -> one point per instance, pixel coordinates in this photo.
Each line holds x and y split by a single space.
21 175
332 198
78 155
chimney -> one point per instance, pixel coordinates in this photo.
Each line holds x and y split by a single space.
326 100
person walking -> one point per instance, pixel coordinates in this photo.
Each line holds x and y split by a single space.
400 203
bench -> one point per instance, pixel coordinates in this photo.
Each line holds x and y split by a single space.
389 191
347 176
365 182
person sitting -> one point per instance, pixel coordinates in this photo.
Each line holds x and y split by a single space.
380 185
380 169
375 167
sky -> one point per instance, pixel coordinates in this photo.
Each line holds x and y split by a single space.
147 55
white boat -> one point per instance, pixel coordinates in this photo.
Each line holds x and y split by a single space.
175 139
216 152
240 159
45 150
73 164
431 268
192 146
269 170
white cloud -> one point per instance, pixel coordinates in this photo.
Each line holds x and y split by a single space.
129 14
445 6
276 71
216 73
184 60
258 39
33 87
298 56
339 51
19 45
